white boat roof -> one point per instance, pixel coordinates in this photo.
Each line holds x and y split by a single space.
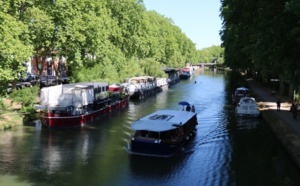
83 87
242 88
140 78
247 100
162 120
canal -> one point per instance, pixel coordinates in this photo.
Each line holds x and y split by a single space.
226 150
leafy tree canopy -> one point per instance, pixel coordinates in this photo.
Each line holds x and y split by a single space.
262 36
102 40
211 54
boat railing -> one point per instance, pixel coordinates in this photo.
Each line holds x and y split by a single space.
78 111
144 138
54 108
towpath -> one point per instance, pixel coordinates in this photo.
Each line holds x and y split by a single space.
270 103
282 123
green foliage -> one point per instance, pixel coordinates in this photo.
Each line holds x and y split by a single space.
152 68
26 97
102 40
2 106
262 37
125 38
211 54
15 49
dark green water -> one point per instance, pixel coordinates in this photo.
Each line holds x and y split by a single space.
225 151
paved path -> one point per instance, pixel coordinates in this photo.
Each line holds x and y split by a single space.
282 123
270 103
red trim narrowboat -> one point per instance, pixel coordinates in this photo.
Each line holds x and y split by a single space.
71 105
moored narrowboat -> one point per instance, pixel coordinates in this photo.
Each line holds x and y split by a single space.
141 87
70 105
239 93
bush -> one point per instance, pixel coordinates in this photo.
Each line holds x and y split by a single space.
26 97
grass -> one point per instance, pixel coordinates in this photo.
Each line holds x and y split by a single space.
9 120
9 115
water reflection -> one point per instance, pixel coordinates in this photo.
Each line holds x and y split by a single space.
226 150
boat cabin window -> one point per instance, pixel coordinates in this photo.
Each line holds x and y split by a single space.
147 134
143 133
160 117
153 135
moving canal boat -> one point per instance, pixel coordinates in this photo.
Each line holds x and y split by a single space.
247 107
162 133
239 93
70 105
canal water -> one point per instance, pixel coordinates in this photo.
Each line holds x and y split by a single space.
226 150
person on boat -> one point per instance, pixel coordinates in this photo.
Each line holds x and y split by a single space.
193 108
188 108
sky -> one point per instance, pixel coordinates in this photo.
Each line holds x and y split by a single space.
198 19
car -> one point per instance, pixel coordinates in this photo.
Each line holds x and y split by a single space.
29 77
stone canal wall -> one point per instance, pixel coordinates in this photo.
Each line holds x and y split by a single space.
286 136
285 128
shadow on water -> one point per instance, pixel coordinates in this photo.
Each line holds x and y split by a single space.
154 166
257 158
226 150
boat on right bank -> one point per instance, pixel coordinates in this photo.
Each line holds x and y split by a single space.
239 93
247 107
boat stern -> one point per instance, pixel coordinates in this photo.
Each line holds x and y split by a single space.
152 147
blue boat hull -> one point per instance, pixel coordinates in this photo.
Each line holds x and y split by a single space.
153 149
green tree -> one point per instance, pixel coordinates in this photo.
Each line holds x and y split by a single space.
15 48
263 37
101 40
211 54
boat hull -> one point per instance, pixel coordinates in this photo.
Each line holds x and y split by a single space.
185 75
153 148
156 147
53 120
136 94
247 107
240 93
248 115
141 94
